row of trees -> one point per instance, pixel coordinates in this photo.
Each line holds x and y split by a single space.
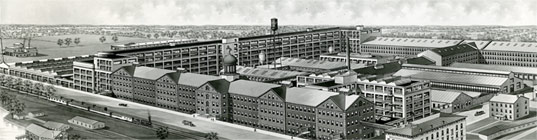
102 39
68 41
28 86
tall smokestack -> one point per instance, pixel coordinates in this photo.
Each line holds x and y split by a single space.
348 54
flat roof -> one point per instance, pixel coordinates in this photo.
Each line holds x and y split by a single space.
504 98
417 42
165 47
515 69
489 81
512 46
316 64
292 33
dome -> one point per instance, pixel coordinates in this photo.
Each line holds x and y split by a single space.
230 60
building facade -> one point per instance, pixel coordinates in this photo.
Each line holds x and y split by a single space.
440 126
467 53
508 107
403 47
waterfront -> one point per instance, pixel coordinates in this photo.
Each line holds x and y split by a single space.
8 130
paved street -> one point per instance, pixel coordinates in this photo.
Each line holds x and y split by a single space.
470 114
165 116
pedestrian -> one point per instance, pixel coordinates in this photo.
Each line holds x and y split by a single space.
194 116
255 130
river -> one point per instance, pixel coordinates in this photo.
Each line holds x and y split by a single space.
8 131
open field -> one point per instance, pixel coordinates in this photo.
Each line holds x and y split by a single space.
115 129
89 44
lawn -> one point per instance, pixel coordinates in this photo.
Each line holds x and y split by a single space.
115 129
89 44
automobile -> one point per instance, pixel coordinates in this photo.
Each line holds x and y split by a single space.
189 123
123 104
479 113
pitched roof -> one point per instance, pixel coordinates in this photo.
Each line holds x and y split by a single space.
267 73
489 81
472 94
85 120
54 125
150 73
426 124
417 42
220 85
420 60
307 97
504 98
42 131
344 101
512 46
444 96
451 69
174 76
478 43
195 80
455 49
516 69
250 88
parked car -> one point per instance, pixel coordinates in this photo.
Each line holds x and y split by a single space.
123 104
189 123
479 113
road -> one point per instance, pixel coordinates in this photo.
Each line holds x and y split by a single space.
168 117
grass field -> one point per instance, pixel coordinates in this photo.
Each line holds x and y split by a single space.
89 44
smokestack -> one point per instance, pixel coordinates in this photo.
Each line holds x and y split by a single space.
348 55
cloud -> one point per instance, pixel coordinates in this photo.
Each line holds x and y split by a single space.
258 12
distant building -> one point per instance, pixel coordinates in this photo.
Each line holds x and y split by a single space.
56 126
86 123
508 107
438 126
133 45
358 58
467 53
404 47
486 81
522 54
20 50
36 132
525 73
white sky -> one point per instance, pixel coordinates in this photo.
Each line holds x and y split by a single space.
259 12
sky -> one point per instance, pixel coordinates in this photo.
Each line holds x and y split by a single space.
259 12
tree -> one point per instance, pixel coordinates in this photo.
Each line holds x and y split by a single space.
60 42
8 81
49 91
156 35
102 39
148 35
211 136
38 87
27 85
77 40
162 132
114 38
74 137
17 83
68 41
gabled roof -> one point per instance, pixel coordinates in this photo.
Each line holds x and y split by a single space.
489 81
42 131
307 97
150 73
515 69
344 101
505 98
445 96
267 73
250 88
417 42
195 80
455 49
426 124
220 85
85 120
173 75
129 69
478 43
